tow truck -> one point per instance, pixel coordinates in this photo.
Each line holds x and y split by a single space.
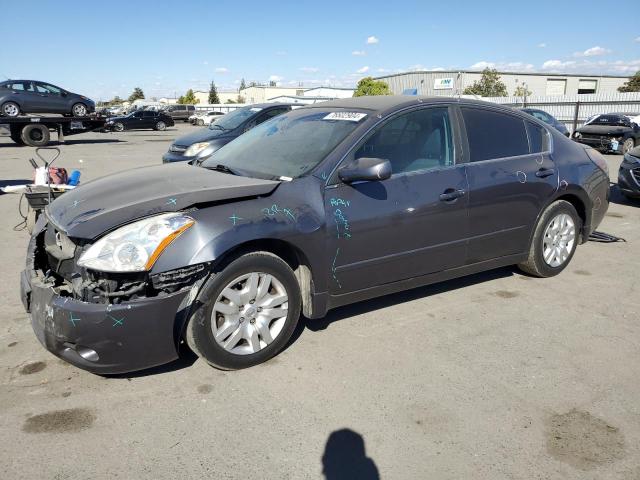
35 131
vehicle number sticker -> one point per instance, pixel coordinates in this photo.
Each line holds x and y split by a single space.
348 116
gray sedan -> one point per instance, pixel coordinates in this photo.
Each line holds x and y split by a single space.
30 96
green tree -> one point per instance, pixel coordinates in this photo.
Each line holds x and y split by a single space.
243 85
369 86
137 94
522 91
189 98
181 100
633 85
213 93
488 86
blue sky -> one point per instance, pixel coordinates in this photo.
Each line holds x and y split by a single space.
169 46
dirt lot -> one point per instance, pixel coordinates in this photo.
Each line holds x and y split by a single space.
497 375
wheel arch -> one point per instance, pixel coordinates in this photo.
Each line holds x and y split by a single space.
291 254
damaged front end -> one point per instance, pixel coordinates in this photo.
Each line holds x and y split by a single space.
100 321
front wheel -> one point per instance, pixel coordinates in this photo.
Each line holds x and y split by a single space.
554 240
79 110
627 145
161 126
246 313
118 127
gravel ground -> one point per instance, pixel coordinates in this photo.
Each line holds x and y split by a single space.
497 375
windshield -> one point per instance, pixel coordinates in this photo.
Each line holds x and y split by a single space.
614 120
288 145
236 118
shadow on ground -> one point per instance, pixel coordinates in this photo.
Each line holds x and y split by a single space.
345 457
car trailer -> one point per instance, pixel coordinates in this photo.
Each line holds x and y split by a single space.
35 131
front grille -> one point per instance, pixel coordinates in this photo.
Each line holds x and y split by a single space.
177 148
60 251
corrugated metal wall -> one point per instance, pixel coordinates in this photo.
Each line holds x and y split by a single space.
564 107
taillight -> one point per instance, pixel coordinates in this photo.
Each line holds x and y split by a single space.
597 158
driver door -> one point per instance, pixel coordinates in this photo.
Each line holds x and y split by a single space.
406 226
49 99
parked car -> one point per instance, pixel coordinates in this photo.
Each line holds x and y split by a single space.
180 112
201 144
322 206
609 132
139 120
31 96
629 174
197 114
208 118
548 119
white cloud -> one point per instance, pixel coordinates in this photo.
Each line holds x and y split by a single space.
275 78
363 70
281 53
542 45
618 67
309 69
205 63
592 52
372 40
382 70
503 66
637 39
222 70
359 53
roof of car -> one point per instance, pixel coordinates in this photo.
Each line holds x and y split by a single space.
382 103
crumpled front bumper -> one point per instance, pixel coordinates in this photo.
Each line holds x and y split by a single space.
106 339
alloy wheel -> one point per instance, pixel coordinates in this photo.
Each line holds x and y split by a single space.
249 313
559 239
79 110
161 126
11 110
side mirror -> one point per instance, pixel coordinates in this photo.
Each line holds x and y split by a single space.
365 169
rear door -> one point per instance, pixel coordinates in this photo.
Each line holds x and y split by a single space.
23 93
511 179
149 119
411 224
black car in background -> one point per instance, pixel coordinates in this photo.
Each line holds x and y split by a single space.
32 96
201 144
629 174
548 119
322 206
609 132
140 120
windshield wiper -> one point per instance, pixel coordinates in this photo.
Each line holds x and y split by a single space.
222 168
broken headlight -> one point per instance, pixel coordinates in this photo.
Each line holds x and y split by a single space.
137 246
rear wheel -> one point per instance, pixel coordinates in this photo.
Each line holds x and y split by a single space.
35 135
554 240
200 122
79 110
161 126
627 145
118 127
246 313
10 109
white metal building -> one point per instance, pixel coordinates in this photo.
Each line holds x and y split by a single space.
448 83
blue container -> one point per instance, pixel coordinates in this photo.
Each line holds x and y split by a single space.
74 178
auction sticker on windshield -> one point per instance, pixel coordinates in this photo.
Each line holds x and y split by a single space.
348 116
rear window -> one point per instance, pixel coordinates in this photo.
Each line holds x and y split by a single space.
494 135
538 138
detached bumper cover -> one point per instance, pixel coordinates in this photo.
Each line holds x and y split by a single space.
105 339
600 143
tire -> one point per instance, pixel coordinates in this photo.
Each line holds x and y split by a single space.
160 126
627 145
200 122
79 110
10 109
118 127
544 238
199 333
35 135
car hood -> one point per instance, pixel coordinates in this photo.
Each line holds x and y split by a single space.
604 130
202 135
108 202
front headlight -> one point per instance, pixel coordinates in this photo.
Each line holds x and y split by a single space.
577 135
195 149
137 246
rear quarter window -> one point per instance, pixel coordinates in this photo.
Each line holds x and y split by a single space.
538 138
494 134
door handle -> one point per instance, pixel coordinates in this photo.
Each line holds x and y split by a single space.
451 194
545 172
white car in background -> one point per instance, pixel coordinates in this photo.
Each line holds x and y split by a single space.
195 116
208 118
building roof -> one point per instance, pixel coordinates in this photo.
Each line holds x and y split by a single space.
330 88
455 72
